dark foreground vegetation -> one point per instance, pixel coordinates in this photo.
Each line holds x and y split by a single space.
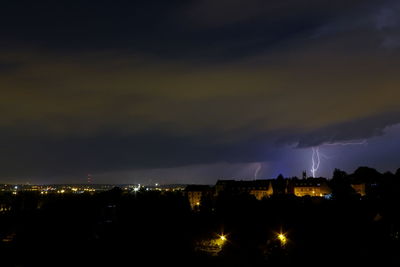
116 228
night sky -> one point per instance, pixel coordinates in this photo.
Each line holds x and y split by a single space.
195 91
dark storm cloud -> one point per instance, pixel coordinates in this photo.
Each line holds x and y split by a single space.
227 12
204 30
351 130
50 156
101 87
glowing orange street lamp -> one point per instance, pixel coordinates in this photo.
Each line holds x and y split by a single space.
221 240
222 237
282 238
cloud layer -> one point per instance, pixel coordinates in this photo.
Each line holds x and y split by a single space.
198 83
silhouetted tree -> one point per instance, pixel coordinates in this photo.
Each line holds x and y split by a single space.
366 175
398 172
340 185
339 174
279 185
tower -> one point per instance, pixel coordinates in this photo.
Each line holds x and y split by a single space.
89 179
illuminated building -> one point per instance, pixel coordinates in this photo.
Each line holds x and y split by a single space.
359 188
314 187
196 193
258 188
261 189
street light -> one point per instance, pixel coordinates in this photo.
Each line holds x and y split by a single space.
282 238
222 237
221 240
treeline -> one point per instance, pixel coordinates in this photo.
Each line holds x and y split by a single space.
378 185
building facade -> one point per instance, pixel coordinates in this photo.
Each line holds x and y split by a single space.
258 188
195 194
314 187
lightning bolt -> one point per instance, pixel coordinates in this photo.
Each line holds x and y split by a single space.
363 142
315 160
257 170
315 157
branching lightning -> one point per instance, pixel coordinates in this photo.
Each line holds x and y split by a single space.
315 157
363 142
